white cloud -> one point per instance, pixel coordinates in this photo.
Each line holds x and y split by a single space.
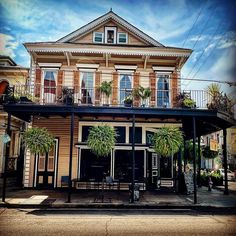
7 45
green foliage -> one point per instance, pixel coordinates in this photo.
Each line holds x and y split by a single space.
101 139
216 178
142 92
106 88
218 100
207 153
128 99
188 102
38 140
167 141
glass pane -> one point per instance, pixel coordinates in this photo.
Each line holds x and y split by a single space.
49 82
122 38
125 87
98 37
41 166
51 163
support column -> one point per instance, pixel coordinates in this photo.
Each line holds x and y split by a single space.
199 162
185 156
226 191
179 170
71 155
194 160
133 157
6 158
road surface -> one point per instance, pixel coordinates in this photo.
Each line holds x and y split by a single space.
120 222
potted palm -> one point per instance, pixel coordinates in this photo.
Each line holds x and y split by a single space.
101 139
106 89
167 141
38 140
143 93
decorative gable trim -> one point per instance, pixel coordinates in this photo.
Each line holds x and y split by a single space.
119 20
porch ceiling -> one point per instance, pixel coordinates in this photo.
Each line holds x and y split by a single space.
207 121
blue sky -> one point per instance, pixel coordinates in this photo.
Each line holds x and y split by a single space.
206 26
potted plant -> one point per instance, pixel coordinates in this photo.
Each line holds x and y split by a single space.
68 96
38 140
106 89
128 101
143 93
167 141
101 139
185 101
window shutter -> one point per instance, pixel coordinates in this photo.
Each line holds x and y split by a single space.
97 87
76 81
38 82
60 76
152 80
136 85
174 87
115 88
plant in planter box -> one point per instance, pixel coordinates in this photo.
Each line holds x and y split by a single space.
143 93
106 89
68 96
101 139
167 141
189 103
184 100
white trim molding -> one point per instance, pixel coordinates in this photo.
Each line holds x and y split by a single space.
126 67
163 68
55 65
87 66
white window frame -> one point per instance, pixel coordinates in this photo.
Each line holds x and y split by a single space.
115 34
125 72
158 74
126 35
94 36
42 79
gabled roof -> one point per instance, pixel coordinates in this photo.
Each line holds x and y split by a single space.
106 17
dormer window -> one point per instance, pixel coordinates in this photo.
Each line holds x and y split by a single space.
98 37
110 35
122 38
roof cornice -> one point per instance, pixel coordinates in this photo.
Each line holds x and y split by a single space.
118 19
154 51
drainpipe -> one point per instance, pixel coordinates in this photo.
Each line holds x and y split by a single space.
199 161
6 158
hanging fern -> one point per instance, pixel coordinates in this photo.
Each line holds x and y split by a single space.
101 139
38 140
167 141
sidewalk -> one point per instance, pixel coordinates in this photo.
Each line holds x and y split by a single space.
113 199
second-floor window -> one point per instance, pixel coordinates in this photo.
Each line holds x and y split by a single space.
49 83
122 38
163 93
125 86
87 87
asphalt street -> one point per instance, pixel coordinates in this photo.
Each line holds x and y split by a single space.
115 222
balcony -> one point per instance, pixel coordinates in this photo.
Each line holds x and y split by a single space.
59 95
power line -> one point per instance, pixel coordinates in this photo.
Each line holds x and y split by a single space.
203 5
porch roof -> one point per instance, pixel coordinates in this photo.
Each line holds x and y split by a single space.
207 121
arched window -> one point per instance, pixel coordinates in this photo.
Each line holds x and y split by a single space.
163 91
125 87
87 94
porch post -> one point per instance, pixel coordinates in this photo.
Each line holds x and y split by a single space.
226 191
185 161
133 157
194 160
199 161
6 158
71 155
179 170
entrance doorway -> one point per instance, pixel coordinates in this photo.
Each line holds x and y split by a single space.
46 168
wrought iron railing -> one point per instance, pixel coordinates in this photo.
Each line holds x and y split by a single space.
172 98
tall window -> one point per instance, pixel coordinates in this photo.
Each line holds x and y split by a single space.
49 86
125 87
110 35
163 97
87 87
